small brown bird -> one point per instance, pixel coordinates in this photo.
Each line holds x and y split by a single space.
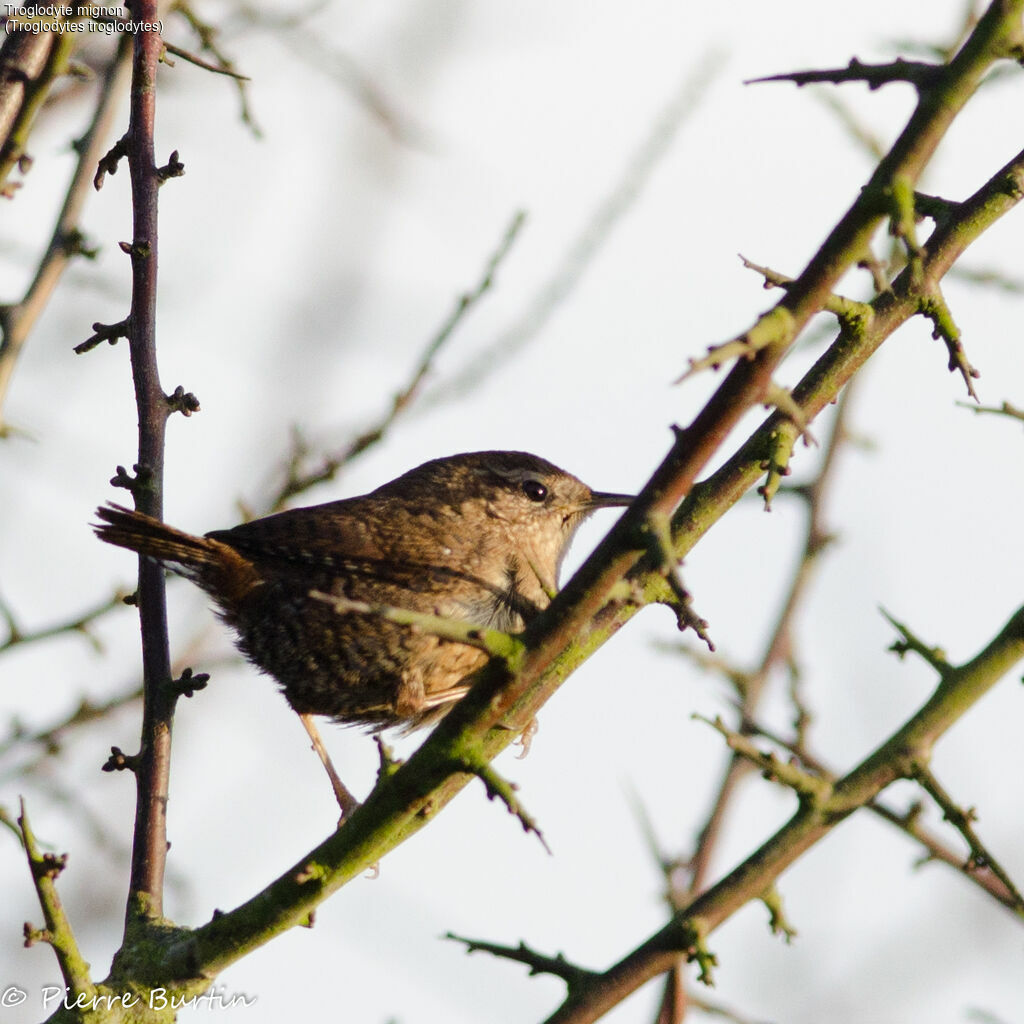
477 537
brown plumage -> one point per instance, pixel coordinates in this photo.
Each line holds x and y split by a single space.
477 537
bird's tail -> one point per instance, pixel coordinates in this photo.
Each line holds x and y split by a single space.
215 566
148 536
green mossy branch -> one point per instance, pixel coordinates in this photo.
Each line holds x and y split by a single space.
934 656
777 920
809 787
774 328
491 641
897 758
850 312
501 789
45 868
776 461
844 358
933 306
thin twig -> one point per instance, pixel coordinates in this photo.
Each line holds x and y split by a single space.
584 249
538 963
49 740
779 649
990 278
50 737
207 36
1006 409
299 480
217 69
18 320
908 822
963 821
491 641
921 75
17 637
45 868
343 69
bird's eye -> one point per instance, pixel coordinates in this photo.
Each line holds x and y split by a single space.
534 490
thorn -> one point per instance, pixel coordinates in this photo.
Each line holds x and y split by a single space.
174 168
120 761
109 333
137 484
108 163
182 401
187 684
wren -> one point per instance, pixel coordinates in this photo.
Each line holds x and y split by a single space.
478 537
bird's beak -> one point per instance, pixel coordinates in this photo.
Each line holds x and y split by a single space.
605 499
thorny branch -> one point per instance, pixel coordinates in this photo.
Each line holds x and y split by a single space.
895 758
537 962
921 75
149 848
1006 409
963 822
750 687
909 822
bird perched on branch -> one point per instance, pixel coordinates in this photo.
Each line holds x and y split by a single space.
477 537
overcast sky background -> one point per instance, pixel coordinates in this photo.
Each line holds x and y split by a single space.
301 276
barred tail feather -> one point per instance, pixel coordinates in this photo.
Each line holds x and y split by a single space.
215 566
148 536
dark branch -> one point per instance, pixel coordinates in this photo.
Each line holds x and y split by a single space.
109 161
919 74
522 954
110 333
963 821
